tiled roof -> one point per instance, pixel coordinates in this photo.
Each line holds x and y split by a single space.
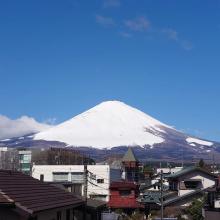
154 196
95 204
129 156
32 194
123 184
5 200
188 170
187 195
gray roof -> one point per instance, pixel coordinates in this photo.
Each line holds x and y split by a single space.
185 196
129 156
95 204
188 170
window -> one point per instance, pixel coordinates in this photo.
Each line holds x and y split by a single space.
192 184
125 192
100 180
77 177
60 177
25 166
42 177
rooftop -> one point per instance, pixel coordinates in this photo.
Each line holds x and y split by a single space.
123 185
129 156
188 170
32 195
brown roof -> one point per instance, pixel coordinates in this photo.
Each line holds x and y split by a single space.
5 200
32 195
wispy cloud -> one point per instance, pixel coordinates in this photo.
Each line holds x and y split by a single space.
50 121
111 3
22 126
105 21
125 34
187 45
138 24
173 35
143 25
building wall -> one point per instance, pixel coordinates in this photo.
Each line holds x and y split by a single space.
212 215
95 172
52 214
117 201
206 180
9 214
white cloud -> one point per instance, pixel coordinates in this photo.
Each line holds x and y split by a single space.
50 121
138 24
22 126
111 3
105 21
173 35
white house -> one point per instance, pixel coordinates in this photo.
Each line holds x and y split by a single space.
190 179
73 176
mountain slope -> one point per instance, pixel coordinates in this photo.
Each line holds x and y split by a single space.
113 124
110 127
107 125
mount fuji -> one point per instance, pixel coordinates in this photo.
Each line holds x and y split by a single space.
112 126
108 125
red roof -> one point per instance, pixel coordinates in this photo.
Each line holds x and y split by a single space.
123 184
32 194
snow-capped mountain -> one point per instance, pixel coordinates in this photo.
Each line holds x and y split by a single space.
107 125
114 125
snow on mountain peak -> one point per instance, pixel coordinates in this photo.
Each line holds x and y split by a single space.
109 124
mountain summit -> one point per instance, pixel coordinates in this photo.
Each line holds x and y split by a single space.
113 124
109 124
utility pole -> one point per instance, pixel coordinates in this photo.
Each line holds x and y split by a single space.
161 193
85 189
85 181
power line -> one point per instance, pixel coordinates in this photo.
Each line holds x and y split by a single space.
97 185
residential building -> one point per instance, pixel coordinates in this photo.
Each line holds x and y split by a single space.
23 197
73 179
184 186
3 151
123 195
8 158
190 179
24 161
212 207
130 166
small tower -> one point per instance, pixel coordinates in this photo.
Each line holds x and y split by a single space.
130 166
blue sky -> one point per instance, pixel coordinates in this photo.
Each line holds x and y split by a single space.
59 58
